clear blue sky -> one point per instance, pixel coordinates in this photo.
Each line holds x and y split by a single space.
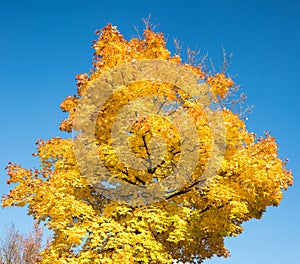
45 43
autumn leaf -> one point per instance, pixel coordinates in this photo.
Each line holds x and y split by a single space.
189 223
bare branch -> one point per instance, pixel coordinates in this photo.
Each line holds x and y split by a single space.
178 47
226 60
148 24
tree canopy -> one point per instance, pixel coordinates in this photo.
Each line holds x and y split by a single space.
189 222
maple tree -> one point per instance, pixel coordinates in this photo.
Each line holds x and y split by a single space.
187 224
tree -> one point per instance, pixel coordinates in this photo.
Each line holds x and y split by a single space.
10 249
228 176
16 248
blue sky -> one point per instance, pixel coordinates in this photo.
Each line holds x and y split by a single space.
45 43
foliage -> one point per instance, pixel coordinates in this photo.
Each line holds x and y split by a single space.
189 225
